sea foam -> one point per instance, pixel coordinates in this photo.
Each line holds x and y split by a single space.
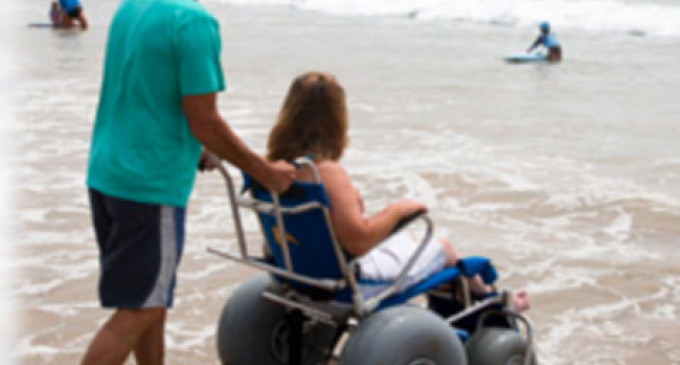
637 18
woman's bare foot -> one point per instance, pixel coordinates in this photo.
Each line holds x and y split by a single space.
450 252
520 301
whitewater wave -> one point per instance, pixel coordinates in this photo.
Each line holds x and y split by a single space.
639 18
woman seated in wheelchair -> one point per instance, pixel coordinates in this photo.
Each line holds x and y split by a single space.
313 122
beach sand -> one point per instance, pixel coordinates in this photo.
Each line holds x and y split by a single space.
566 175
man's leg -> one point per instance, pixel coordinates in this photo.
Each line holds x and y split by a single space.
151 346
140 247
121 334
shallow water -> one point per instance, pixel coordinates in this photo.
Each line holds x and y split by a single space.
566 175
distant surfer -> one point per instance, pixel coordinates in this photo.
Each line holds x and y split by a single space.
549 41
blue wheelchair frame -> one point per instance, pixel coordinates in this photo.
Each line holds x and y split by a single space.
308 260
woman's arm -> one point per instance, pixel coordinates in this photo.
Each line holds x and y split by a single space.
356 233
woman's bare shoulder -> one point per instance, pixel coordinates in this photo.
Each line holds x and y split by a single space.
331 170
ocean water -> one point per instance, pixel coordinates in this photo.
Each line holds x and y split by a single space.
566 175
5 188
640 17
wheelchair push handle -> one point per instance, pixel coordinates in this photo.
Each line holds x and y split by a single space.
299 163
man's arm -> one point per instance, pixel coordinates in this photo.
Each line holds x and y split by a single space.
215 134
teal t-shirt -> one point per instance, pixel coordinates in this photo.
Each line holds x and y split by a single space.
157 52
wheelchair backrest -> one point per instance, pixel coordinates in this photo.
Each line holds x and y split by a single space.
308 233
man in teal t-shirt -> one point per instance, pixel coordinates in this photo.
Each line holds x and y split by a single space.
142 147
157 109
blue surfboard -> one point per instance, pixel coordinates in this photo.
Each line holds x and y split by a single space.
522 57
41 25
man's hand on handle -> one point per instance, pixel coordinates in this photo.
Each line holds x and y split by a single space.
281 175
208 161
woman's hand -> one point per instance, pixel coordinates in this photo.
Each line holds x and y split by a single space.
405 208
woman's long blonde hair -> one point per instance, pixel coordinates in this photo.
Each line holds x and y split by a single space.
312 120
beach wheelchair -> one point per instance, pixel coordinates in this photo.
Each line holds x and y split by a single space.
307 306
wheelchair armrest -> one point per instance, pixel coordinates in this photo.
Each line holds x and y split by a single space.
374 302
406 221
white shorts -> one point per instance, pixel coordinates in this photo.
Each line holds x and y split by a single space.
388 258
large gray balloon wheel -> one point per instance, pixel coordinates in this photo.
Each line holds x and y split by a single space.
253 330
497 346
403 335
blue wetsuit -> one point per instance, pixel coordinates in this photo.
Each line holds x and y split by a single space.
548 41
70 7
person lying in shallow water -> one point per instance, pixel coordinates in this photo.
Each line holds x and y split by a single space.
313 122
65 12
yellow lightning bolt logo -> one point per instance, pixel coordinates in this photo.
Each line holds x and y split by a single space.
277 237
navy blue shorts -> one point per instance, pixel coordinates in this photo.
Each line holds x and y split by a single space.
140 246
74 13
